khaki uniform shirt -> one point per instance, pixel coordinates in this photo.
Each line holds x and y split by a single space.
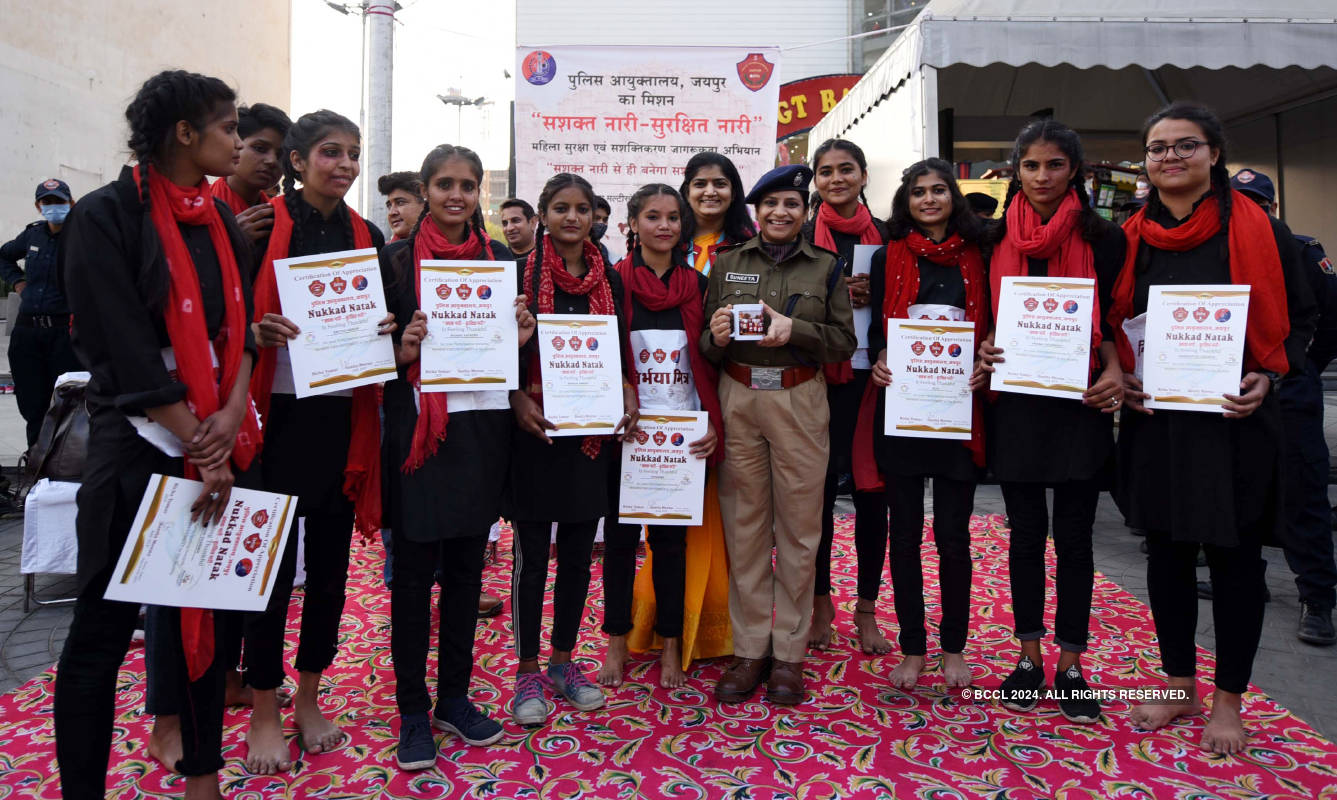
823 329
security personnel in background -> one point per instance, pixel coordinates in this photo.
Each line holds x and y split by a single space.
776 417
1309 548
39 346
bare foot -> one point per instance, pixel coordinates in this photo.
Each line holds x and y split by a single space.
266 750
610 674
823 613
319 735
955 670
871 639
1156 715
165 740
906 674
238 693
1224 733
671 675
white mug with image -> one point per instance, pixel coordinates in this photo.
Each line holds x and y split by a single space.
749 322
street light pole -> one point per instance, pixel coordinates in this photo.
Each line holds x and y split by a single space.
459 102
379 20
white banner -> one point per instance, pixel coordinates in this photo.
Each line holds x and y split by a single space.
622 117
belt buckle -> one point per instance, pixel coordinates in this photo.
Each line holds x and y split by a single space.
767 378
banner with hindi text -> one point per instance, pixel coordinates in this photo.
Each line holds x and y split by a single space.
622 117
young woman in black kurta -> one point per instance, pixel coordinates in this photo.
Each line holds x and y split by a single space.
840 222
442 495
1049 229
183 127
307 443
1194 479
934 233
561 480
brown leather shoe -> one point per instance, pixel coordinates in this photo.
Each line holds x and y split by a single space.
488 606
741 679
786 684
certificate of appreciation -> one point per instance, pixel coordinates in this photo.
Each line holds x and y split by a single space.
581 373
336 299
862 264
168 560
1044 328
662 482
1194 348
471 335
930 363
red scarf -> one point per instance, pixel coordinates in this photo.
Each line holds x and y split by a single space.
227 194
681 293
430 243
1254 261
862 224
362 471
170 205
902 291
1060 242
553 274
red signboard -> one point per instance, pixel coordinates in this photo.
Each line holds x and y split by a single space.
803 103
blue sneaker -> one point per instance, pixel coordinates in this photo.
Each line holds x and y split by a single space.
459 716
417 747
530 708
571 683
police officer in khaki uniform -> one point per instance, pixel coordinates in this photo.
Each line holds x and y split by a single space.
773 397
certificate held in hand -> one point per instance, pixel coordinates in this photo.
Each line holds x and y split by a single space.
471 341
1194 348
1044 328
930 364
581 373
662 482
336 299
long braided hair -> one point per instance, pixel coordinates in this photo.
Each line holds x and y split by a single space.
301 138
855 151
637 201
1215 135
164 100
1066 140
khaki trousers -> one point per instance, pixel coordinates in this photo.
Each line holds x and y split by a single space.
771 483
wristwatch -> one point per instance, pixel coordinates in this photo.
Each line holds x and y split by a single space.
1274 377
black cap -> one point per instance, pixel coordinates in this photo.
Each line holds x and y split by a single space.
981 202
790 177
1254 182
54 186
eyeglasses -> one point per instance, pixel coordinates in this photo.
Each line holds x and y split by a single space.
1184 149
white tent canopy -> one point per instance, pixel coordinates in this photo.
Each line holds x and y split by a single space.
964 76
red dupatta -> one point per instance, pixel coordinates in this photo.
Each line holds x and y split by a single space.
227 194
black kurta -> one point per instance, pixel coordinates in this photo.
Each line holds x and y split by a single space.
1199 476
306 441
557 482
903 455
457 492
1052 440
119 336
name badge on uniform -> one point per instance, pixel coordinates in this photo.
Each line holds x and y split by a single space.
741 277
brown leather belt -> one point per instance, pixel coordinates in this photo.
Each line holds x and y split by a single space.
769 378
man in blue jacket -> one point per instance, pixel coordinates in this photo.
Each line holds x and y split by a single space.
39 346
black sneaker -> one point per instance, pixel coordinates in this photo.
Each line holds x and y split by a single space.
1022 689
1074 698
417 746
459 716
1316 625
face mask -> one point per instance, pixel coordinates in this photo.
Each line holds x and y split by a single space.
55 214
597 230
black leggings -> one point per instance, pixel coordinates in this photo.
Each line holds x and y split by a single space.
85 702
1237 606
952 503
329 536
870 540
529 574
1074 514
668 543
460 561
